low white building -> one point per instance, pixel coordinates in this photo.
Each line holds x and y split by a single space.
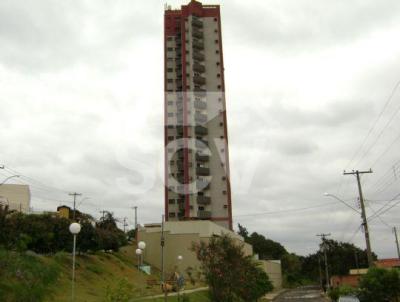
17 197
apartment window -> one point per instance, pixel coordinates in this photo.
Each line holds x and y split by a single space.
221 137
171 201
170 127
170 59
169 39
170 70
171 214
216 31
225 206
224 192
170 49
191 207
223 178
219 86
170 103
217 51
170 114
216 41
219 99
170 138
187 52
222 164
215 19
217 63
222 150
201 208
221 124
218 75
170 80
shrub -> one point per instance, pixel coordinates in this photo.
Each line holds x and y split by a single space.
380 285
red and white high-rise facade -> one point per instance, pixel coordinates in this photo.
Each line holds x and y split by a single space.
197 183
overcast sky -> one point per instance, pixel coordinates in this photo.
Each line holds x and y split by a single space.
81 94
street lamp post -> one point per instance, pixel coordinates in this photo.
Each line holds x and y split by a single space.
138 253
141 246
178 281
74 228
12 176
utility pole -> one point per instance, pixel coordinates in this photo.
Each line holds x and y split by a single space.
320 273
102 214
363 214
74 194
125 224
323 237
136 225
397 242
163 283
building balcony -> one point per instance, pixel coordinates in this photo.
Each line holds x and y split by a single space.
203 214
199 92
199 68
202 185
199 80
200 130
179 130
179 105
200 118
197 34
202 158
200 105
198 56
197 23
203 171
198 45
203 200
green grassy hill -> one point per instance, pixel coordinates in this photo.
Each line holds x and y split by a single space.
30 277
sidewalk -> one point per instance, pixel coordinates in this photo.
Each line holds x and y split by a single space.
188 291
274 294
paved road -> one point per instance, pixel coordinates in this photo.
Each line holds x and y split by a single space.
302 294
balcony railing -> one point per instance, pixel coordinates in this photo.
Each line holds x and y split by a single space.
200 130
197 23
200 105
199 92
199 68
198 56
203 200
199 80
198 45
204 214
200 118
202 158
202 185
197 34
203 171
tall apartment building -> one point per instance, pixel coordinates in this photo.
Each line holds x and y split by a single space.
197 184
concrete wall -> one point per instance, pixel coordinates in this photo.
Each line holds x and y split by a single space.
274 271
179 237
18 197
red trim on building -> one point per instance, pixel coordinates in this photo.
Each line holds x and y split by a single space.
228 179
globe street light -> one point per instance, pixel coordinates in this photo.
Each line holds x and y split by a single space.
141 246
138 253
74 228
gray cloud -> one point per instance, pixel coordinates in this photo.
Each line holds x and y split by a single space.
81 109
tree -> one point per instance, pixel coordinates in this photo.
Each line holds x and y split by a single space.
231 275
380 285
243 231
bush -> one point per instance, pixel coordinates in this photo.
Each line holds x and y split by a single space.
230 275
380 285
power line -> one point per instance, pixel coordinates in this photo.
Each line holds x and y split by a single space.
286 211
389 99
